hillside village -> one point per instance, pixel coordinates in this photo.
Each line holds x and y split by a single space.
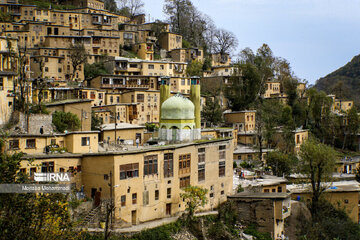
137 114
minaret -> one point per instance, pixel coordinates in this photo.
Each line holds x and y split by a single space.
164 91
195 98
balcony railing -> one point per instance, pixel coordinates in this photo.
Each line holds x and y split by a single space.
124 86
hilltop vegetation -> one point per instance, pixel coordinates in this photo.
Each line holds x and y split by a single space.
348 76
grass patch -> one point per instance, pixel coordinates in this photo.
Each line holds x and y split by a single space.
252 230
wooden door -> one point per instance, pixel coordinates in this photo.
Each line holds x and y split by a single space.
133 217
168 209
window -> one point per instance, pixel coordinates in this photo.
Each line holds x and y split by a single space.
59 70
47 167
140 97
221 169
100 95
145 197
30 143
14 144
184 182
279 189
1 84
118 99
168 165
222 152
134 198
266 190
111 99
161 67
239 157
168 193
201 172
346 201
85 141
184 163
201 155
150 165
156 194
46 69
182 82
151 66
211 195
123 200
130 170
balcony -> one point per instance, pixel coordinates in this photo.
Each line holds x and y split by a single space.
135 86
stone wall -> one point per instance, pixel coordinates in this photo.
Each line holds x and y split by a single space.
35 121
260 212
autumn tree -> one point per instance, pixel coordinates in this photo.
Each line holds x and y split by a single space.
30 215
317 162
194 197
78 56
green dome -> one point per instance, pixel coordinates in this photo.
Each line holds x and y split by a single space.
177 107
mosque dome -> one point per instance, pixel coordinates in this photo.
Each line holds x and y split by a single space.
177 107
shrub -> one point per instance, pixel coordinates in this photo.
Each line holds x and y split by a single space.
65 121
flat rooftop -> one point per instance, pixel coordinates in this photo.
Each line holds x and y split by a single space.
342 186
243 149
258 195
120 126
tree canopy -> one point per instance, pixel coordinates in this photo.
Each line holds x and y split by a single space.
65 121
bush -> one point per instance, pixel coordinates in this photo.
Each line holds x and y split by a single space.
234 165
246 165
65 121
38 109
252 230
239 189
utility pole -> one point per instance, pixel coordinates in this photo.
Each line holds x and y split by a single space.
115 126
109 209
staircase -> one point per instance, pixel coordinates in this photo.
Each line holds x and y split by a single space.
90 216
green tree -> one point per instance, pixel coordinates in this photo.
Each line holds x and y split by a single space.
95 122
319 116
212 112
329 223
94 70
317 162
194 68
243 86
352 129
282 164
195 197
65 121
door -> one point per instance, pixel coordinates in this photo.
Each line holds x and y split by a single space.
97 198
133 217
168 209
138 136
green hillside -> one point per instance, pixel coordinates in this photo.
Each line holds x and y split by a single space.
349 76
